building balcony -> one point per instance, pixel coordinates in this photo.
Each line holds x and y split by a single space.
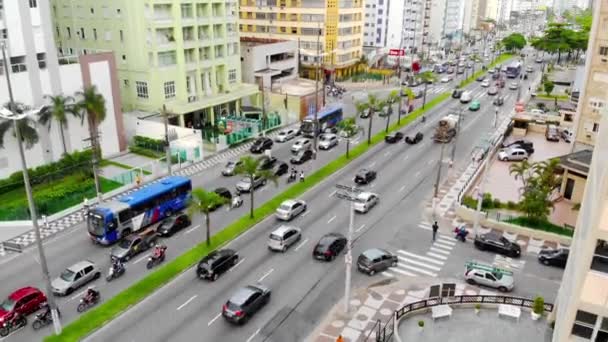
284 64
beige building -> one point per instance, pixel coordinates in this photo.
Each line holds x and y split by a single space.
340 23
574 178
593 94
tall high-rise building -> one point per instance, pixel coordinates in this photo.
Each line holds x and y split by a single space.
337 26
453 22
405 25
582 301
375 23
181 54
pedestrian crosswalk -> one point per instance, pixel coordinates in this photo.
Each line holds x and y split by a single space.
427 265
508 263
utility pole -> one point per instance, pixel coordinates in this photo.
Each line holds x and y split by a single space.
14 116
350 194
165 115
437 180
316 121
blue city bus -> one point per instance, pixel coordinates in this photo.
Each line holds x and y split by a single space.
328 117
514 70
110 221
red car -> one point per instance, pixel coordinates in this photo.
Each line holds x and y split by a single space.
24 301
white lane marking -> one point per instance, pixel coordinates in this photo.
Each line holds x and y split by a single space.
195 228
237 264
142 258
402 188
332 193
358 229
252 336
425 225
265 275
388 153
420 257
214 319
186 302
78 295
416 269
331 219
442 244
372 165
395 269
442 257
417 263
417 174
436 250
447 240
301 244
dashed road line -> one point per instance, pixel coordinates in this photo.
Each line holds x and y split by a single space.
265 275
331 219
186 303
214 319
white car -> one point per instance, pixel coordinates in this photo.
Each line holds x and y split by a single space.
513 85
567 135
512 154
466 97
446 79
491 277
327 141
283 237
289 209
365 201
300 145
485 83
285 135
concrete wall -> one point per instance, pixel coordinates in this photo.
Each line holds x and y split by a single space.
257 57
579 186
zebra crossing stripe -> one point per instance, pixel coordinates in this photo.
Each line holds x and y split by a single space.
442 257
394 269
425 225
388 274
416 269
441 244
437 250
414 262
448 240
420 257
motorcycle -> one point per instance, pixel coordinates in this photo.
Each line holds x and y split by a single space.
42 320
11 325
461 234
86 303
154 260
115 271
292 177
236 202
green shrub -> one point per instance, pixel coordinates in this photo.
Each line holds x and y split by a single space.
469 202
149 143
540 225
539 305
142 151
421 323
487 202
496 203
511 205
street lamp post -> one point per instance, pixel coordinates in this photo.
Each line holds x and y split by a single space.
436 190
316 121
11 114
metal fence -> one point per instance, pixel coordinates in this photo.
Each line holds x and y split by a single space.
384 332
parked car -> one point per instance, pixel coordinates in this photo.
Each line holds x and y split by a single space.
554 257
216 263
474 106
266 162
446 79
229 168
283 237
134 244
301 157
331 130
460 70
513 85
365 201
498 101
491 71
466 97
224 192
457 93
23 301
496 76
245 302
519 142
451 70
512 154
567 135
393 137
485 83
499 244
289 209
376 260
301 144
75 276
365 176
418 94
492 91
280 168
538 59
327 141
551 133
529 68
261 144
491 277
244 185
286 135
329 246
175 223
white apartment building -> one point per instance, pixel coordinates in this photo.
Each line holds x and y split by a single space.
35 71
453 22
268 63
375 23
405 25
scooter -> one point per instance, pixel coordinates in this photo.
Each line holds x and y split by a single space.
43 319
292 177
154 260
237 201
115 271
461 233
11 325
85 303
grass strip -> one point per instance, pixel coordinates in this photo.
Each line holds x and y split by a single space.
552 97
541 225
113 307
106 162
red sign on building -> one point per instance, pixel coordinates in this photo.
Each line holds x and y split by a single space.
396 52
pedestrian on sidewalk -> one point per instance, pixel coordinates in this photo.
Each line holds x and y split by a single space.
435 229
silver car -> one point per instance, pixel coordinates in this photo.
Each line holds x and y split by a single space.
512 154
327 141
290 209
300 145
496 278
283 237
229 168
74 277
285 135
365 201
244 185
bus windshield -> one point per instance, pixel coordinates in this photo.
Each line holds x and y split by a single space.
328 117
95 224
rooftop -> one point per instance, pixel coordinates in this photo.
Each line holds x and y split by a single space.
578 161
295 87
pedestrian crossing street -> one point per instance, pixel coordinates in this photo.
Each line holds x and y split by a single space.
428 265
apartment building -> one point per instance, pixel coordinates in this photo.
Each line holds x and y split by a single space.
453 22
35 71
405 28
474 13
376 23
329 31
178 53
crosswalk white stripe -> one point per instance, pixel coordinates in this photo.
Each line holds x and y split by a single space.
409 261
447 239
388 274
416 269
420 257
424 227
437 256
403 272
441 244
437 250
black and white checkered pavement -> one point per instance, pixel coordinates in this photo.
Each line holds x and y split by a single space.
56 226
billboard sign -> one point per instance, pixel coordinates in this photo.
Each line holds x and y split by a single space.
396 52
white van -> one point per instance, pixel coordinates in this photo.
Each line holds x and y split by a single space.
466 97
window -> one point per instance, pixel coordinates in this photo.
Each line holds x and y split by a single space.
82 33
92 10
33 3
125 83
124 58
142 89
4 34
108 35
583 324
69 33
169 90
95 34
122 37
604 50
232 76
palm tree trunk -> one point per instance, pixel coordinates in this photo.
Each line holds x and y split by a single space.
388 118
424 96
95 157
65 149
399 108
208 224
369 127
251 197
347 148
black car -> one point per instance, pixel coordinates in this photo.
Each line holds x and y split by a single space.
498 244
480 78
498 101
393 137
457 93
301 157
173 224
554 257
216 263
364 114
260 145
521 143
329 246
266 162
365 176
376 260
280 168
245 303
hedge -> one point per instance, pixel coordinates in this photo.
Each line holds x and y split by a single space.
541 225
97 317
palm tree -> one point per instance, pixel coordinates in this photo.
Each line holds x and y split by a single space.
361 107
59 109
250 168
26 126
410 97
92 105
427 77
349 127
373 105
392 97
520 170
205 202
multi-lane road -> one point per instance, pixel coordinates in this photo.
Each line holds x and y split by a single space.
189 307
